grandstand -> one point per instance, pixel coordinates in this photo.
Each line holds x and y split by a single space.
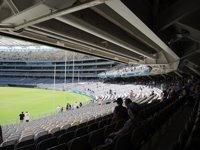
36 62
146 51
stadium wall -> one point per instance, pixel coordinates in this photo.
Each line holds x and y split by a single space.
85 69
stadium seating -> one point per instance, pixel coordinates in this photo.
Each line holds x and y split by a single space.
83 128
59 147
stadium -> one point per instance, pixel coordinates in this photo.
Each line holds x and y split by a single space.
99 75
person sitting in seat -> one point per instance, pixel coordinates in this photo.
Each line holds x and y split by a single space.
127 102
134 121
120 112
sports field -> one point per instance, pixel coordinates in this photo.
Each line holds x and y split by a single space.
38 102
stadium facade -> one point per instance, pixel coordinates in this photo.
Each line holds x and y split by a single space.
83 69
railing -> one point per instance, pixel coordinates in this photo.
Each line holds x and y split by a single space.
146 70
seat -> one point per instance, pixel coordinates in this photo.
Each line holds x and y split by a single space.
80 131
52 131
24 143
137 137
42 133
28 147
41 138
98 119
102 123
62 146
92 127
90 122
123 142
96 137
119 125
196 132
109 129
64 138
104 147
193 144
26 138
82 125
7 147
66 126
43 145
79 143
72 128
60 132
9 142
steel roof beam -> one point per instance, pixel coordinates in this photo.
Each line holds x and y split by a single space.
80 24
123 11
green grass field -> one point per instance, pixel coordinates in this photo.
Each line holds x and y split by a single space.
38 102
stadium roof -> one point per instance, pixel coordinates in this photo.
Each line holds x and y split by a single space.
158 33
5 41
11 44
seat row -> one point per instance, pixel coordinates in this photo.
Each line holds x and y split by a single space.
189 138
144 136
77 131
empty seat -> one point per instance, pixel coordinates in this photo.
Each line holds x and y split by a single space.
60 132
123 142
24 143
82 125
138 136
26 138
109 129
193 144
52 131
92 127
76 123
79 143
102 123
41 138
28 147
91 122
9 142
7 147
64 138
104 147
43 145
98 119
96 137
42 133
66 126
80 131
59 147
72 128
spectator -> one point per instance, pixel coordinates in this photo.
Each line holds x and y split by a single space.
120 112
67 106
127 102
75 105
58 109
27 116
131 94
1 137
152 93
134 121
21 116
80 104
61 110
